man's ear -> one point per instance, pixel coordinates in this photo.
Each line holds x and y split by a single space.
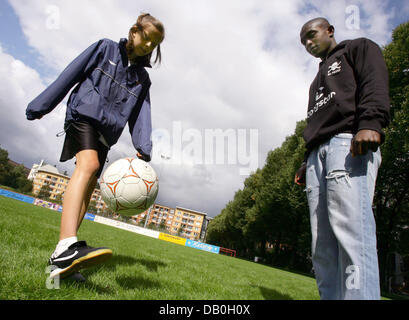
331 31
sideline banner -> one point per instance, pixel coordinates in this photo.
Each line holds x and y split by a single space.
126 226
16 196
202 246
139 230
173 239
89 216
48 205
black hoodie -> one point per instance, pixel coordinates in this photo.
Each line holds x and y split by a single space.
349 93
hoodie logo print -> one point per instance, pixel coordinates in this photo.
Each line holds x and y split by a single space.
319 94
334 68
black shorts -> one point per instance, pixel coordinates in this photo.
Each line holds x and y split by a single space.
82 136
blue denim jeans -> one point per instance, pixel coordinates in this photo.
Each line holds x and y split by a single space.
340 191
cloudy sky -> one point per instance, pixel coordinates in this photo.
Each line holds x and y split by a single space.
233 82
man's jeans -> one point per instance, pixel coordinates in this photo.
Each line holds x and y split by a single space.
340 191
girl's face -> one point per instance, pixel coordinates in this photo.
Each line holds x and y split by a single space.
143 42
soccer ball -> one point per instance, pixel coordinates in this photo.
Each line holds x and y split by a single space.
129 186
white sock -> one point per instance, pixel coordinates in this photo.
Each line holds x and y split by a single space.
63 245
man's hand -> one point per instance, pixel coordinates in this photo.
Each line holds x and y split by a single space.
300 175
365 140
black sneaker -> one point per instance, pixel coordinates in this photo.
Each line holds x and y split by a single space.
76 257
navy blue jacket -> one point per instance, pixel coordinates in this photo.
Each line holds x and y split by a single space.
109 94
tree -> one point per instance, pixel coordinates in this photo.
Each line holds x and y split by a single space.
92 207
142 221
180 231
45 192
282 211
269 209
13 176
19 181
391 196
5 167
151 226
162 225
59 198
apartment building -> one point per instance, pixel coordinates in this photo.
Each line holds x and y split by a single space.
187 223
42 174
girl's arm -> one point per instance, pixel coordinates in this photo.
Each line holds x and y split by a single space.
72 74
140 127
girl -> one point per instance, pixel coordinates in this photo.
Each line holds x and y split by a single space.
112 91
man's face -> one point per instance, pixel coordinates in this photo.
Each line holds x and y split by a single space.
317 39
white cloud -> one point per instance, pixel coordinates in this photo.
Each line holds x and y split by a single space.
25 140
226 64
375 18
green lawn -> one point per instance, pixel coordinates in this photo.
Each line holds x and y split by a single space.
141 268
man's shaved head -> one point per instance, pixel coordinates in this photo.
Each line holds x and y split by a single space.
320 21
317 36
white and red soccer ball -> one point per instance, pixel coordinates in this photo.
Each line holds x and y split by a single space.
129 186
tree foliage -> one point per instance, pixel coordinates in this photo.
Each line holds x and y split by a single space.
45 192
13 176
270 211
392 196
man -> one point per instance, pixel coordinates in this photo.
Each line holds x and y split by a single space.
348 107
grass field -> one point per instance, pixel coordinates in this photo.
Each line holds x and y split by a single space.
141 268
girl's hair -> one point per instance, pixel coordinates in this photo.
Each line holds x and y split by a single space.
142 20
